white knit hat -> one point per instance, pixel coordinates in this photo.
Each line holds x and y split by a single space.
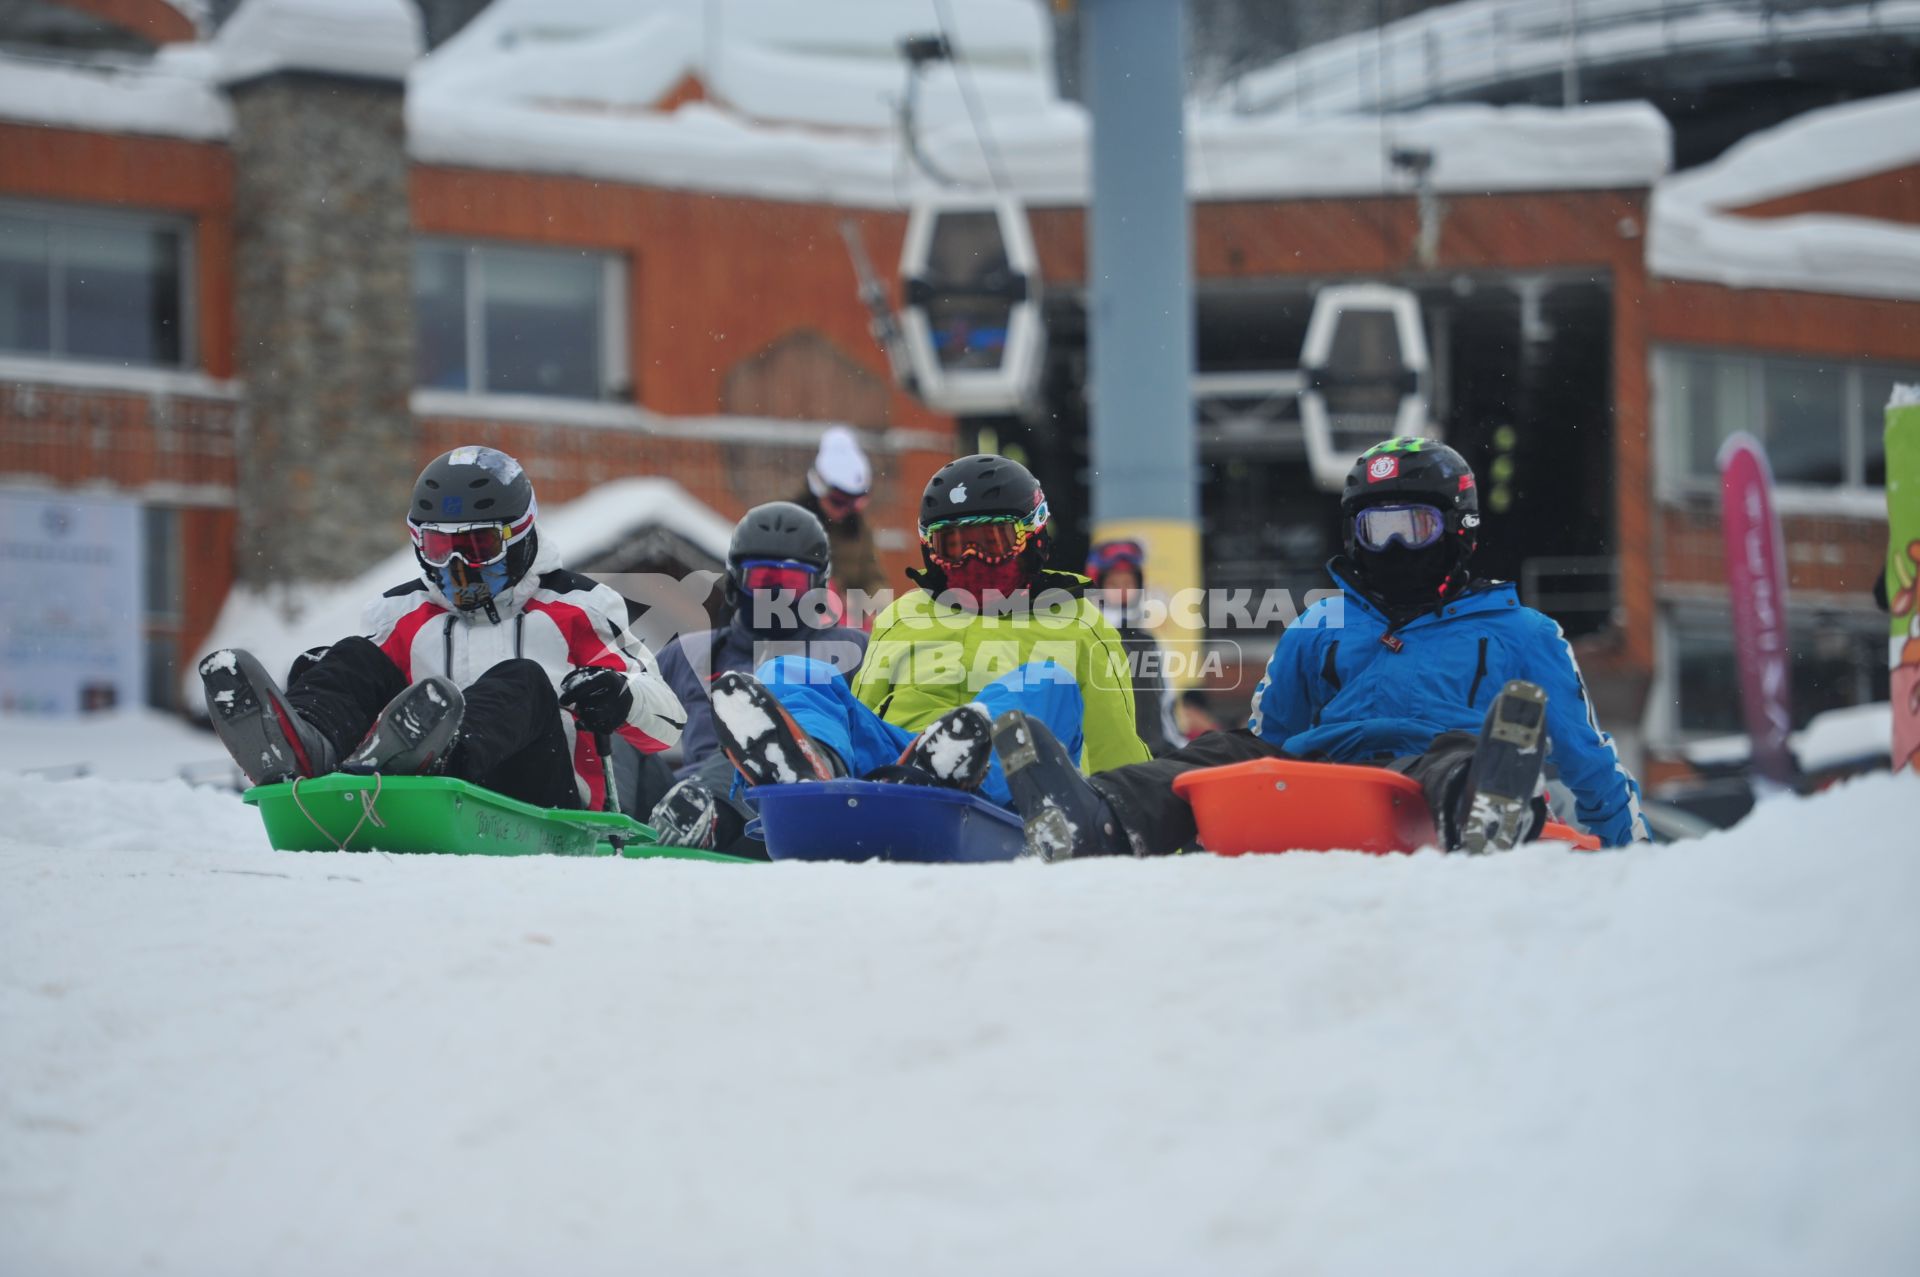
840 464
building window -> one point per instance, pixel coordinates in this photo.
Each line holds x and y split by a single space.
1821 421
1836 659
490 319
91 285
164 594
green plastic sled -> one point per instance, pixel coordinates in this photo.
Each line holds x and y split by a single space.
436 814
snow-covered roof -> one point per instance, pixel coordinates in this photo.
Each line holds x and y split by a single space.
799 108
172 96
826 64
1044 155
370 39
1696 234
278 624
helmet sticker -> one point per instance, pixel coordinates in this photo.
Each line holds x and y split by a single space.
452 504
492 460
1399 443
1466 482
1382 468
959 493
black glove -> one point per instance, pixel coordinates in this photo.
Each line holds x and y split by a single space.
599 697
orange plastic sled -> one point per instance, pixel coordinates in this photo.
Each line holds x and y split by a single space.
1282 804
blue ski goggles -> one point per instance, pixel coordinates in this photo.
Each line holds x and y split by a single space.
1414 526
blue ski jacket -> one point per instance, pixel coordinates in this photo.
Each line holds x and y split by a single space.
1346 685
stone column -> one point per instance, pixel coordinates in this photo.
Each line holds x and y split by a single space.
322 286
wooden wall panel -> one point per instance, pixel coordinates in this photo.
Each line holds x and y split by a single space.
1829 555
1786 322
154 20
1372 235
1893 196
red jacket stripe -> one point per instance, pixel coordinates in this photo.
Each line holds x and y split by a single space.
398 645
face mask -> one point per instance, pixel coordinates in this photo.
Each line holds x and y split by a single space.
1405 578
470 588
977 577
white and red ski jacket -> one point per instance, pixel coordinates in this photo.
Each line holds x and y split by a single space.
555 617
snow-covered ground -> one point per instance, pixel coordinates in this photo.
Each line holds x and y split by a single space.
219 1059
140 744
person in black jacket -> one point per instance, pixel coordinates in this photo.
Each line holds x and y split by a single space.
839 485
777 565
1118 571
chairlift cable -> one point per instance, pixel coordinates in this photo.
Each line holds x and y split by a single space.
963 75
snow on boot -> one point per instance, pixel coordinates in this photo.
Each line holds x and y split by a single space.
266 736
414 733
760 738
955 749
687 816
1064 815
1496 809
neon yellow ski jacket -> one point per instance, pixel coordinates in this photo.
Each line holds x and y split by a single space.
926 658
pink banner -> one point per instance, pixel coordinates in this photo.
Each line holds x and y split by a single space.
1757 585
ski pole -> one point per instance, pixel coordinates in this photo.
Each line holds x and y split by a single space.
603 741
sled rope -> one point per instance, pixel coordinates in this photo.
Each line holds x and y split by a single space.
367 813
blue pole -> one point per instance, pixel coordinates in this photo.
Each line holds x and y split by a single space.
1140 286
1139 263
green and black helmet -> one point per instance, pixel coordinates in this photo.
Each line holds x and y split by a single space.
1410 516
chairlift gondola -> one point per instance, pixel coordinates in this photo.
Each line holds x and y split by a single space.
1364 375
971 284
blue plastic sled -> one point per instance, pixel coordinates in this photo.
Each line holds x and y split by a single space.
868 820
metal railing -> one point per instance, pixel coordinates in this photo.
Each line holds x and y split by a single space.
1451 52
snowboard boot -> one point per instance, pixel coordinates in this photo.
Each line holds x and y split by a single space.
687 816
761 739
1496 809
266 735
415 732
1064 816
954 751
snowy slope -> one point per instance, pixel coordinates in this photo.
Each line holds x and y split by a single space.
215 1059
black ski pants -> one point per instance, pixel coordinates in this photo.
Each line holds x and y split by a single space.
1159 821
512 738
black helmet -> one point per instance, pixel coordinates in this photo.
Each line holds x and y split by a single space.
777 530
981 486
780 530
1414 471
471 485
985 487
477 488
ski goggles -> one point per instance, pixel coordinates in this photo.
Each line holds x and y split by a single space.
841 504
475 544
770 575
1414 526
1108 555
990 538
